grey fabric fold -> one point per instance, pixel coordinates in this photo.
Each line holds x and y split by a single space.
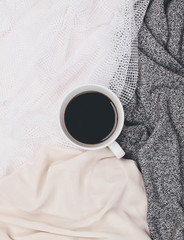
153 134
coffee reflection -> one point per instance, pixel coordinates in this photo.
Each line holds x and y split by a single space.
90 117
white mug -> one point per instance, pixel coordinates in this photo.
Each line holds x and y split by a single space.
111 141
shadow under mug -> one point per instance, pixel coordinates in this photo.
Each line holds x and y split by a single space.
111 141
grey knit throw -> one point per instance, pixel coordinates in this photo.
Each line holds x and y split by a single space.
153 134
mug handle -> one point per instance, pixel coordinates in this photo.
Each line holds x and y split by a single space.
116 149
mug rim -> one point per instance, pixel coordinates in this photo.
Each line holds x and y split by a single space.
108 93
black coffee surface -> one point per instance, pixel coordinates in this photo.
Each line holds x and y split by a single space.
90 117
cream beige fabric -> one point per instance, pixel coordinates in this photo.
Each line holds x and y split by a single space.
72 196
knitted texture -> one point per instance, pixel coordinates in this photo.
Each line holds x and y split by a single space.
154 126
47 48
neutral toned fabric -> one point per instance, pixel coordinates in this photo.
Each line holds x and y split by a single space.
154 120
74 195
48 47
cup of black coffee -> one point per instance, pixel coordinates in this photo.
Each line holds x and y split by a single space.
92 117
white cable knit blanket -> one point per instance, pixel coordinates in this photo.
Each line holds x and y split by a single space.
48 47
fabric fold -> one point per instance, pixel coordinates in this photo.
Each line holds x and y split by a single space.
74 195
154 119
